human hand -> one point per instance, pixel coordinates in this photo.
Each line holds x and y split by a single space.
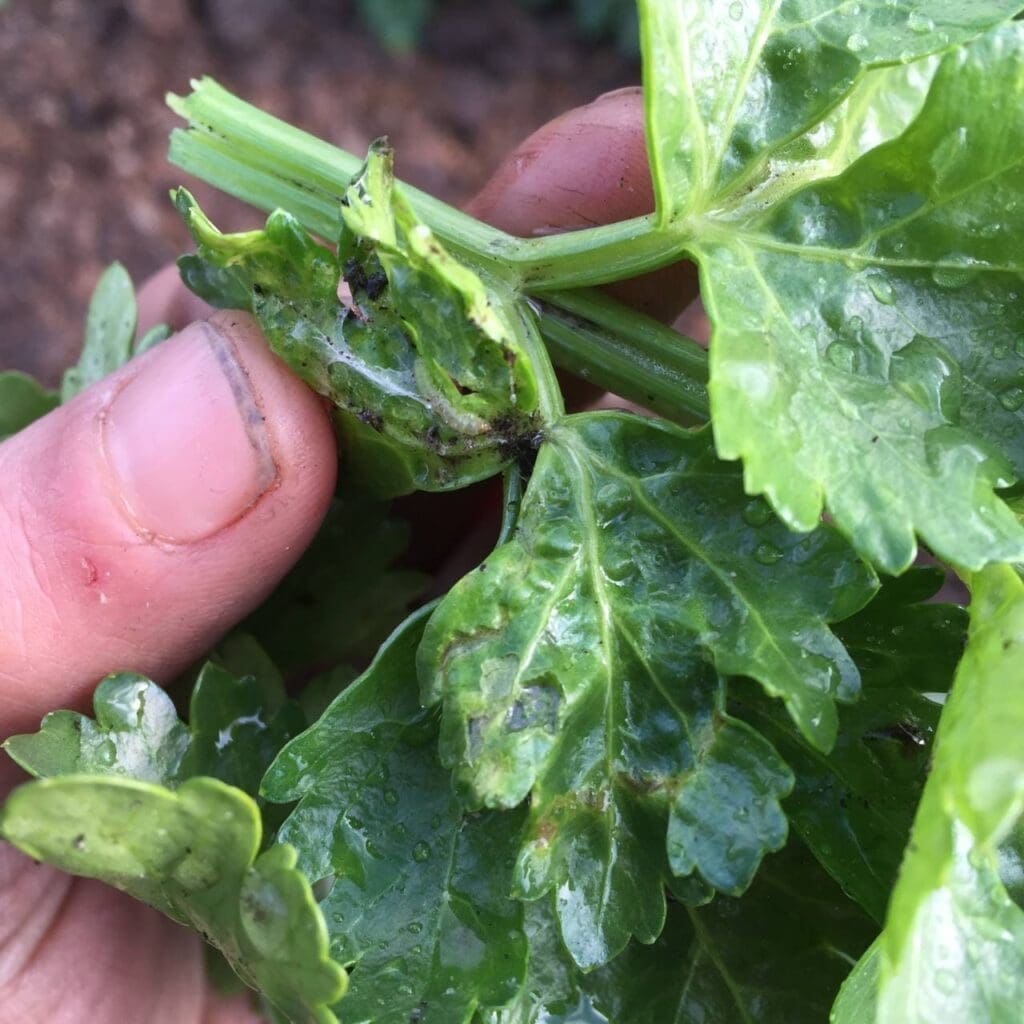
146 517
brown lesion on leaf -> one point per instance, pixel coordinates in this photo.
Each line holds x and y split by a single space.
372 419
519 438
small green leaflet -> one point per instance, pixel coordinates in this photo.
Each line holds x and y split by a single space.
109 333
344 595
852 368
427 365
953 947
854 807
136 734
776 956
237 727
419 906
22 401
191 853
728 82
583 662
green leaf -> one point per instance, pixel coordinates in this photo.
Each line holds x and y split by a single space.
237 726
136 734
344 595
109 332
863 355
419 903
190 853
22 401
727 82
776 956
582 662
427 366
854 807
953 947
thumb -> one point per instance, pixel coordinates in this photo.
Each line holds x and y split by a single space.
144 518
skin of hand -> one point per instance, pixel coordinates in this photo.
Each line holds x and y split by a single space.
140 521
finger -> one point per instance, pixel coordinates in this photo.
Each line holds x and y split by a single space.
143 519
72 950
586 168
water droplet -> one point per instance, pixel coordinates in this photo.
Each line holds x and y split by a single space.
767 553
856 43
945 981
736 11
920 23
435 821
1019 346
841 355
421 852
757 512
882 290
1012 398
415 927
390 797
106 753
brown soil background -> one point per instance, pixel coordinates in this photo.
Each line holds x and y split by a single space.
83 126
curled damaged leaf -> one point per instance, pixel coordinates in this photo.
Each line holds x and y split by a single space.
427 365
419 898
192 854
583 661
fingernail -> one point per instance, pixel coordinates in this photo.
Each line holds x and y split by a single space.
185 440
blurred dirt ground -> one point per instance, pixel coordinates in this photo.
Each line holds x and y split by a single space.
83 126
